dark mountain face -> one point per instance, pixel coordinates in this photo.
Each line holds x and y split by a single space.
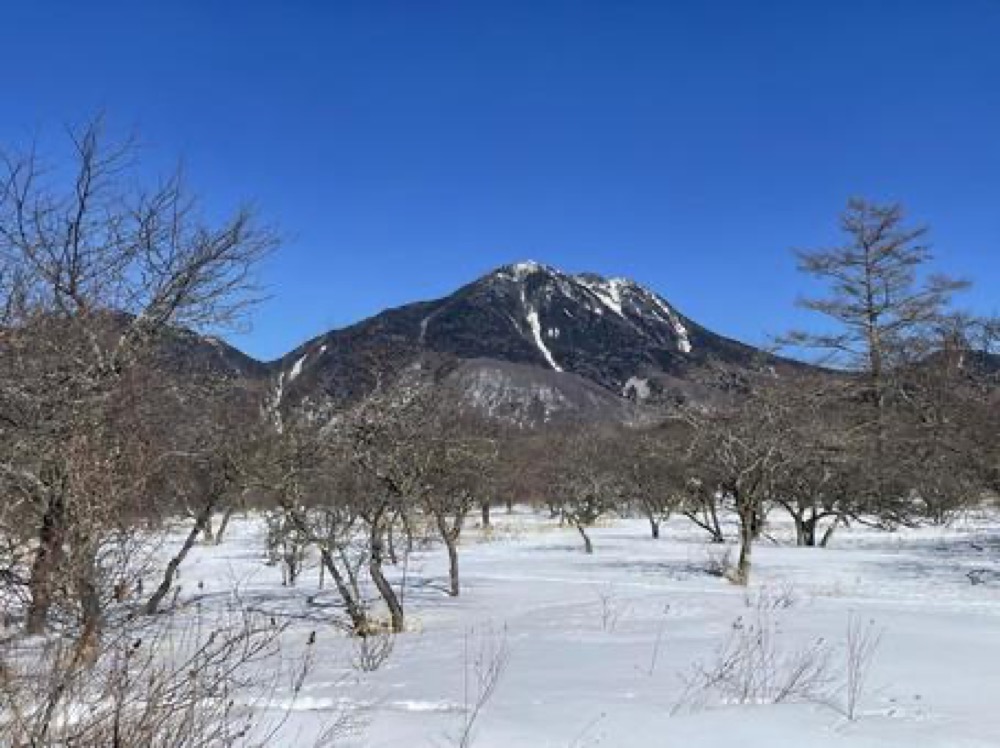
530 329
187 355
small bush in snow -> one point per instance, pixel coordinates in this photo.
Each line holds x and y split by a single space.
372 650
718 561
863 640
612 609
752 667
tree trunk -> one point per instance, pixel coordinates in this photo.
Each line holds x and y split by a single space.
809 532
355 610
391 544
224 524
153 604
588 547
450 537
207 529
800 531
712 523
756 524
486 513
742 574
47 557
453 589
828 535
382 584
92 613
709 521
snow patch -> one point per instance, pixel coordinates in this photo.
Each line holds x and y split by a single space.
609 292
416 705
536 331
521 270
683 341
297 368
636 387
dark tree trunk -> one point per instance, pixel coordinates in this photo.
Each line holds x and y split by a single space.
805 529
485 508
588 547
450 536
355 609
224 524
809 532
453 588
153 604
47 557
382 584
92 613
828 535
756 524
709 521
748 515
207 531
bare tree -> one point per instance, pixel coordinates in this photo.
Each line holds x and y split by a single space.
881 310
319 496
463 456
742 450
98 271
654 470
585 480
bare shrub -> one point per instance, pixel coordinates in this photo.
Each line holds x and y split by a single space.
770 598
654 654
718 561
863 640
155 683
485 659
372 649
612 609
751 667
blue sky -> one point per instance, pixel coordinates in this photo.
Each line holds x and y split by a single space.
404 148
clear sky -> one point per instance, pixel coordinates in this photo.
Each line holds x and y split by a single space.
405 148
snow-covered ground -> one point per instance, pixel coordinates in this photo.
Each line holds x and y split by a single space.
598 646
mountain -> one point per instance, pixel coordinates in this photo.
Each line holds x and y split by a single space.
528 338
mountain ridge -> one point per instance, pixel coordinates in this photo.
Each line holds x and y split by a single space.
526 343
612 332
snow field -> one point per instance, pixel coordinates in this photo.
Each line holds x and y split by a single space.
599 646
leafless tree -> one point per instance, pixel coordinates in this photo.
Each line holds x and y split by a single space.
654 463
881 310
318 496
98 272
162 683
585 481
463 456
742 448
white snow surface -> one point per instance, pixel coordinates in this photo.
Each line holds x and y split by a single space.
536 331
521 270
609 292
570 680
638 386
683 341
297 368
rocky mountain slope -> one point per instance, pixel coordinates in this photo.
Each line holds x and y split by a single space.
530 338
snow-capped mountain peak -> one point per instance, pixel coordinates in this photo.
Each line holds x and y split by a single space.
612 331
